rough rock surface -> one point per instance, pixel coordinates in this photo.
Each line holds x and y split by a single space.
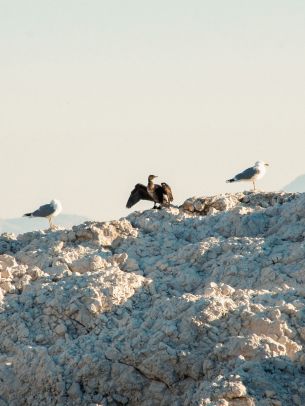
202 305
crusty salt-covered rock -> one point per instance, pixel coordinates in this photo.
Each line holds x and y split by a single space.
212 204
202 305
104 233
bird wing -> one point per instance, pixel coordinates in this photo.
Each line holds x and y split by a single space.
44 211
247 174
168 191
159 192
138 193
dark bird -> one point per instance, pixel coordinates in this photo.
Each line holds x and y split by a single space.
155 191
158 194
48 211
167 192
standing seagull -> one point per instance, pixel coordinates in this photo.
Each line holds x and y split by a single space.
48 211
251 174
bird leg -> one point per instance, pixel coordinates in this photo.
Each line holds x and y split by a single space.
253 185
50 223
157 207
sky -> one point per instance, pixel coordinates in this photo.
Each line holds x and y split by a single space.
96 95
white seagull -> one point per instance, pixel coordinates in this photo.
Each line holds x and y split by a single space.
48 211
252 174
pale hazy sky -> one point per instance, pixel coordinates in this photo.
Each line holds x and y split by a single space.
95 95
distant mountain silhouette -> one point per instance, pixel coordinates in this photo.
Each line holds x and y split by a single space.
25 224
297 185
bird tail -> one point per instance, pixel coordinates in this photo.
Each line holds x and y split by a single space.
27 215
231 180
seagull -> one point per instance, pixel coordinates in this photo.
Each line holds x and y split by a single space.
48 211
251 174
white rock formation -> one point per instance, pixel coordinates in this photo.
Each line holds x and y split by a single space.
202 305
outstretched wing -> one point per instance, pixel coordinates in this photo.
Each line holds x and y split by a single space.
168 191
247 174
138 193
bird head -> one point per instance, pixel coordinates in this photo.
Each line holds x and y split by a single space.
56 203
261 163
151 177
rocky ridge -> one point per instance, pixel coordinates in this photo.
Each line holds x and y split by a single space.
198 305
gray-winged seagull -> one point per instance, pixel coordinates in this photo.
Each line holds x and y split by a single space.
251 174
48 211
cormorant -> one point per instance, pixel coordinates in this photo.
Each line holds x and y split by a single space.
167 192
155 193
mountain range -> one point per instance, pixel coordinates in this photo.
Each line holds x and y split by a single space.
24 224
297 185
